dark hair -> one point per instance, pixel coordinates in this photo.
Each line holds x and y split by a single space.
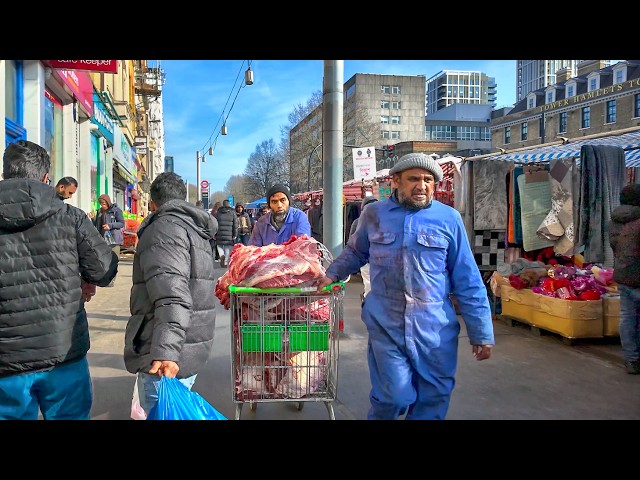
226 203
67 182
25 159
167 186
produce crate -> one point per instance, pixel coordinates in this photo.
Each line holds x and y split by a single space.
317 334
611 315
262 338
569 318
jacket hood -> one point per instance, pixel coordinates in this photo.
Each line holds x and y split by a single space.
26 202
201 220
625 213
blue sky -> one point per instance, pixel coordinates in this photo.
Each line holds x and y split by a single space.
199 95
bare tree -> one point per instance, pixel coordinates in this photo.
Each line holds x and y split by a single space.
237 186
265 168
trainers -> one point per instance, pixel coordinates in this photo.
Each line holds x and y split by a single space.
633 367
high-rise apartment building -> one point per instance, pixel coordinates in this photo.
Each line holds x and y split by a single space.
535 74
448 87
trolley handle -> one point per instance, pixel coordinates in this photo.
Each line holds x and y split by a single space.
332 287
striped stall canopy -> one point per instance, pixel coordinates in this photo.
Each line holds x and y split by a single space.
629 141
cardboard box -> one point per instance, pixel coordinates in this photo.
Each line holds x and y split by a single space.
518 304
569 318
611 315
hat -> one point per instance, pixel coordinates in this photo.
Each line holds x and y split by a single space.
278 187
417 160
367 201
106 198
630 195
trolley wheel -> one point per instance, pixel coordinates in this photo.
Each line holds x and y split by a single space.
300 405
253 406
568 341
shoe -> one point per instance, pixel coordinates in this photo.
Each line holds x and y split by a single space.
633 367
112 283
222 264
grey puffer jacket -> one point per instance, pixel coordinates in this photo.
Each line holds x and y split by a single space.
172 304
624 237
46 248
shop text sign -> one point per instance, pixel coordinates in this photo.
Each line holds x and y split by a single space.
364 163
105 66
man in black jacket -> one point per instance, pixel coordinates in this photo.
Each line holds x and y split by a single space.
173 308
48 250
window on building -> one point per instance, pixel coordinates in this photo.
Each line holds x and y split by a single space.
395 120
395 105
395 135
507 135
524 131
619 77
549 97
611 111
563 122
384 104
384 118
530 103
395 89
586 117
384 134
385 88
593 84
636 105
570 91
350 91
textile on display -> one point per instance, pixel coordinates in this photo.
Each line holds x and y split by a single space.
490 201
535 201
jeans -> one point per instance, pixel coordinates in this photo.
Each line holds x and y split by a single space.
148 389
63 392
629 322
243 239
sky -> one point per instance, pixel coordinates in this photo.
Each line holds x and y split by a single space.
200 95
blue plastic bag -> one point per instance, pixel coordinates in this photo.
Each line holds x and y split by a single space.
177 402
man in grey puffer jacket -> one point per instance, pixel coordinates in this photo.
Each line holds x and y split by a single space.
49 252
173 308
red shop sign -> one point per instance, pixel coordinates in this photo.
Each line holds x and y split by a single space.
105 66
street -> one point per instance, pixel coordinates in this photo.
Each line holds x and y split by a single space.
528 377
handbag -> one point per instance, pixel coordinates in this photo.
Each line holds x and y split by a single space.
177 402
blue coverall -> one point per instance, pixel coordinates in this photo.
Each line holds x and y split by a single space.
417 258
295 223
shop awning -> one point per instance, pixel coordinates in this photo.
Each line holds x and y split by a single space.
629 141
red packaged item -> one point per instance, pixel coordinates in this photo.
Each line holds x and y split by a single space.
516 282
565 294
589 295
547 286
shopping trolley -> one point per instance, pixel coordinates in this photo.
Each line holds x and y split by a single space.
284 345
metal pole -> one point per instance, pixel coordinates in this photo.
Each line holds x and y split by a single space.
332 154
199 196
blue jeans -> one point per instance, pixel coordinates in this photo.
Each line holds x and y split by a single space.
60 393
148 389
630 322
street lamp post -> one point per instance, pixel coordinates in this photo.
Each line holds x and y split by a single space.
198 187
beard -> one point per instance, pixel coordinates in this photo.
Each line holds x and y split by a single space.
407 202
279 217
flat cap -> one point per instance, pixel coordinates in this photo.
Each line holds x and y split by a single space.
418 160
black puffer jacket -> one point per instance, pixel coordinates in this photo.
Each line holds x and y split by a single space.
46 247
227 226
172 304
624 236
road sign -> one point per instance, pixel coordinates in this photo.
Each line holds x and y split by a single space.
204 184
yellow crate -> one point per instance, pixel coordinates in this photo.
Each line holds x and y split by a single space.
610 315
518 304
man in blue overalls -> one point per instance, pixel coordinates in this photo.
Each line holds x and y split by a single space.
419 254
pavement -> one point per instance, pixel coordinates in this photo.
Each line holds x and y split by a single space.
529 376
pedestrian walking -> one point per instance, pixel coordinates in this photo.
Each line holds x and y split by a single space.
173 309
227 231
364 270
244 225
419 254
50 250
315 219
109 221
281 220
624 237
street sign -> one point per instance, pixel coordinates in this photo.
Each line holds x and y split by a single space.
364 163
204 184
